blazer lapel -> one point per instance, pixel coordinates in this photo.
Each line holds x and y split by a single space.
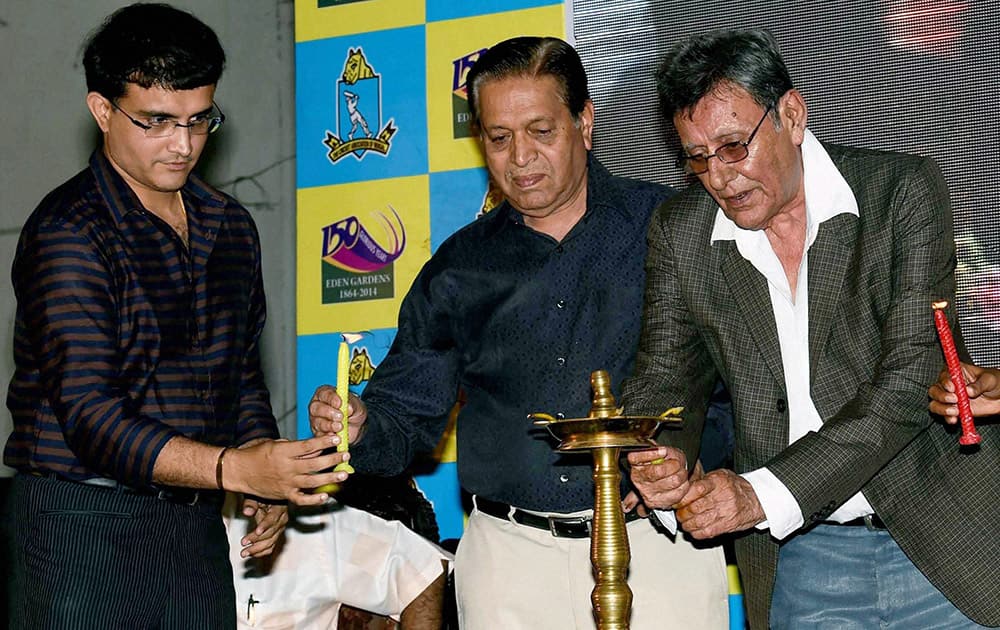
749 289
829 258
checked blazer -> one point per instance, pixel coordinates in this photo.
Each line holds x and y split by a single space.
873 352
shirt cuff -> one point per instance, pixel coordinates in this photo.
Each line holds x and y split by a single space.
667 519
782 511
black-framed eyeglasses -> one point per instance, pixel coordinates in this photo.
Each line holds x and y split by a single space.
727 153
160 127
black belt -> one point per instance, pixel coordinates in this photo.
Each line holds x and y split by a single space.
871 521
180 496
558 526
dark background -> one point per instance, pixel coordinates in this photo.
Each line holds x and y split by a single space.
917 76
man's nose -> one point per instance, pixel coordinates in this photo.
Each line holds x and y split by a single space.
180 141
521 150
719 174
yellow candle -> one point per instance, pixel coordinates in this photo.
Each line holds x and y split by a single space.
343 370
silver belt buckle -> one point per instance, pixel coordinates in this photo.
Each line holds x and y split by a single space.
569 521
101 482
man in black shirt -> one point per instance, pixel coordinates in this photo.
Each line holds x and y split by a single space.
517 309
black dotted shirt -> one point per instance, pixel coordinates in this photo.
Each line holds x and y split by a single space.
518 321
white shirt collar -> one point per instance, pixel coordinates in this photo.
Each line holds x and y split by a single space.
827 194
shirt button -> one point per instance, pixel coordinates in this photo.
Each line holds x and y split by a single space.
559 249
560 361
561 304
563 478
204 394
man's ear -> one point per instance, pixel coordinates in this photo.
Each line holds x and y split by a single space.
100 109
585 121
794 114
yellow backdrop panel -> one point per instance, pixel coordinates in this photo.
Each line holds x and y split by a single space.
393 215
313 21
452 46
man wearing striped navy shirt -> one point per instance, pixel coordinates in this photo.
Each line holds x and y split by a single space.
138 396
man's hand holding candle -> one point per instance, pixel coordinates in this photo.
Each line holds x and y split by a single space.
326 418
982 385
969 436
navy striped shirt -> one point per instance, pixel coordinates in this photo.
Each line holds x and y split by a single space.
125 338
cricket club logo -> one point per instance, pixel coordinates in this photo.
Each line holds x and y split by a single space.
359 104
362 368
492 198
461 118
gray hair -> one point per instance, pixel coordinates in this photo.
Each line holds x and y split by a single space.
697 65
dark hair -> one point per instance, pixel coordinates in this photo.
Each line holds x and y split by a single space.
152 45
696 65
532 57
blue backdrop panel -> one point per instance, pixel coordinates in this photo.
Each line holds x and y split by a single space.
442 489
317 365
456 199
449 9
387 84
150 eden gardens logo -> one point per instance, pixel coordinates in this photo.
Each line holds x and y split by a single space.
356 265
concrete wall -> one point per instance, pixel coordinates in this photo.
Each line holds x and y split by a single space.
46 135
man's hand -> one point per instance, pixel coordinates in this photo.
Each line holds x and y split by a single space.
270 525
325 417
982 385
633 501
660 475
285 470
719 503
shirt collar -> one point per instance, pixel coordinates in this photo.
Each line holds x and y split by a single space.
601 192
119 197
122 200
827 194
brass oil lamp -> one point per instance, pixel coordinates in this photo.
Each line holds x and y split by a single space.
605 432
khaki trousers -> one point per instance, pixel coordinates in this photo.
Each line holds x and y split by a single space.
511 577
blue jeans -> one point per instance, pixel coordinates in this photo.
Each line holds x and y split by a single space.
844 578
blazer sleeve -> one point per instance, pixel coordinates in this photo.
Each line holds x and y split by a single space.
673 368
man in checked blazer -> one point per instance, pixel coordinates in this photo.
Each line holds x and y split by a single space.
803 274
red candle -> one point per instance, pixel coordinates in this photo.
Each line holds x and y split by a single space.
969 435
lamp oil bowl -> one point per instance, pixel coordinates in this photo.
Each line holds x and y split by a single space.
587 433
605 432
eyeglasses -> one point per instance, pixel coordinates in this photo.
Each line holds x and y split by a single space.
728 153
161 127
